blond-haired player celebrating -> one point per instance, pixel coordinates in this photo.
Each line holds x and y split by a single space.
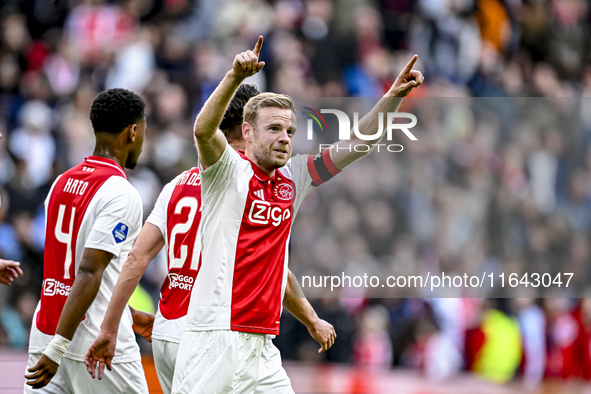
174 222
249 202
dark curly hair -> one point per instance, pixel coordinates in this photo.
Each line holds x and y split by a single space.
115 109
233 115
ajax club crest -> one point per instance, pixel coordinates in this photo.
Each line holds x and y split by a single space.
283 191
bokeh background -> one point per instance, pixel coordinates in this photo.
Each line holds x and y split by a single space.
486 187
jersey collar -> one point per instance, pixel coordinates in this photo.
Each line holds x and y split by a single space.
105 161
260 174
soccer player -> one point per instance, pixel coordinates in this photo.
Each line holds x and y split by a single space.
249 201
93 215
174 222
9 270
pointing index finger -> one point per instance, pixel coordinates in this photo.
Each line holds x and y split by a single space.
410 64
258 46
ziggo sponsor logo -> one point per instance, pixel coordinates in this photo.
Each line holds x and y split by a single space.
261 212
182 282
53 287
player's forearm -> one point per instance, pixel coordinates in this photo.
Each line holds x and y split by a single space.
211 115
301 309
297 304
369 125
83 293
147 245
132 272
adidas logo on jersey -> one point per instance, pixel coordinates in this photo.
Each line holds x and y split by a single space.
260 194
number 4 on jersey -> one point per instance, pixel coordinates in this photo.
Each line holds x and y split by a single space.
65 238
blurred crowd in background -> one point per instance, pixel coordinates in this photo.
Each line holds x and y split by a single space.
493 185
498 184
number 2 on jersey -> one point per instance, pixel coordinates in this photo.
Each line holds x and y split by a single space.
65 238
183 228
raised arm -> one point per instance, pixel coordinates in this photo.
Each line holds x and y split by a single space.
407 80
147 245
84 290
296 304
211 141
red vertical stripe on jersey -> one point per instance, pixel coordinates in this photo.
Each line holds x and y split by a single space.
73 192
176 289
260 257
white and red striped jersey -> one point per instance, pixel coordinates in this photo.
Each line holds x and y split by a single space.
89 206
177 214
244 235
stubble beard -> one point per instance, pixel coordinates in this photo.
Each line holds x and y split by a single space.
267 161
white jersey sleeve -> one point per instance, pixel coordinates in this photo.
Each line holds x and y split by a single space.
158 216
307 172
118 219
300 176
228 166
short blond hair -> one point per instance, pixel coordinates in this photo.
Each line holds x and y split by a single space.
266 100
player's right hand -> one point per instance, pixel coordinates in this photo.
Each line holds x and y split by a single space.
9 271
42 372
323 332
101 352
143 322
246 64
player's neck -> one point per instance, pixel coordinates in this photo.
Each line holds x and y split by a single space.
251 157
111 146
110 152
237 145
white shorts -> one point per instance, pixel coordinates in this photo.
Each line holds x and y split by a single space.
73 378
164 359
227 361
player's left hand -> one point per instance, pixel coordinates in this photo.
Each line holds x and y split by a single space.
42 372
323 332
101 352
407 80
142 324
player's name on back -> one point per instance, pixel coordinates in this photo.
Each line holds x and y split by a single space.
190 179
75 186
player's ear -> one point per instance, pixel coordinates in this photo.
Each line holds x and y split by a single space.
132 132
247 131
